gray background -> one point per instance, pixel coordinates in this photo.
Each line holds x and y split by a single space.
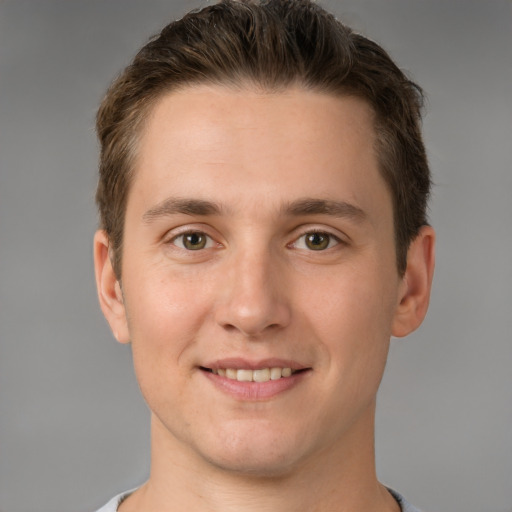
73 427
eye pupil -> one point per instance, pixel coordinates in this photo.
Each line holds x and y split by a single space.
317 241
194 241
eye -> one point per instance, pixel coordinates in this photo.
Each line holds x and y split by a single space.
316 241
193 241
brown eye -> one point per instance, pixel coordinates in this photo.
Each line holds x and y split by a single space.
317 241
193 241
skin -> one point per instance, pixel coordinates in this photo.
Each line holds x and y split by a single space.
257 290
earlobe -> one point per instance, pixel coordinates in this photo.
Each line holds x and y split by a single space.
109 290
416 284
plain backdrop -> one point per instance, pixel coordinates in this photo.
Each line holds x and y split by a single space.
73 426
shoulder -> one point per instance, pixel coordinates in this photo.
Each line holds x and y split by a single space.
404 504
114 503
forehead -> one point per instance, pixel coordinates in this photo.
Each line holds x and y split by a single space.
245 143
228 113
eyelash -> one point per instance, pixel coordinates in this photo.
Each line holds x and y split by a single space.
331 239
209 243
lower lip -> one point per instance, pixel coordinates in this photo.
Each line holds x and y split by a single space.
255 391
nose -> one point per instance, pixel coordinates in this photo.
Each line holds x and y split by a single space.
254 298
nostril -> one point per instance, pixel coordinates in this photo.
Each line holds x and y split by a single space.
229 327
250 331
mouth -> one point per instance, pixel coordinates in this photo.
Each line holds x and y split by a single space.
250 380
256 375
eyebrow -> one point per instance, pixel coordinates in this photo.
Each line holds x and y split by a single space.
175 205
304 206
312 206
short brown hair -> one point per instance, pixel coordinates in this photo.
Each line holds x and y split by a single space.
271 44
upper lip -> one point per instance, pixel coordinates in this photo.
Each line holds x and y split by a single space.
239 363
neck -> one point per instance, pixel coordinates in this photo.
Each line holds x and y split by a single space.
341 478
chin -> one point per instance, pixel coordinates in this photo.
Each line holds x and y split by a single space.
261 456
255 467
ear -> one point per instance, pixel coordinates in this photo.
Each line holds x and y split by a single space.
416 284
109 289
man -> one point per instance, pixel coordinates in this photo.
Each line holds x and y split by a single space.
263 188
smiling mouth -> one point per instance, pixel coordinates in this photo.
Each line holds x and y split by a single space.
248 375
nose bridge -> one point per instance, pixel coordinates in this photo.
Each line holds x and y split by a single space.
254 297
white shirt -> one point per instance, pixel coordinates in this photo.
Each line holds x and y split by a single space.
114 503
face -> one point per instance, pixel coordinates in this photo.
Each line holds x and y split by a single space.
259 280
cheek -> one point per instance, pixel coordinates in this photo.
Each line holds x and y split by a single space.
164 315
160 301
361 299
354 324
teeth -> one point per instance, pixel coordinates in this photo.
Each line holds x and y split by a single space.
244 375
261 375
231 374
276 373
